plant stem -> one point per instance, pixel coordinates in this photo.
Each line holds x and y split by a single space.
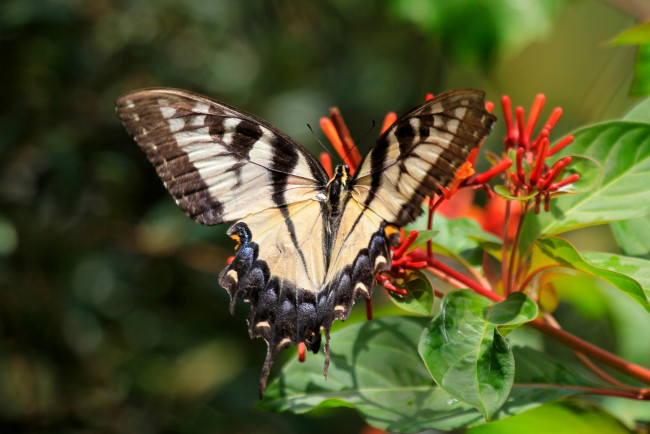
515 248
464 280
532 275
605 376
433 205
505 273
595 369
635 371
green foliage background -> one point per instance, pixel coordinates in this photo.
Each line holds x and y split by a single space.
111 317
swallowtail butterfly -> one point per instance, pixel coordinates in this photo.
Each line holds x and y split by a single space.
307 245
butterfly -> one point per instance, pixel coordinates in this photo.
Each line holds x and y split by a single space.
307 244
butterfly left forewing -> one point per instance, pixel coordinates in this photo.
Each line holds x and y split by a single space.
220 164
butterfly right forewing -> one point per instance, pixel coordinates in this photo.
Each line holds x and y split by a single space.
420 153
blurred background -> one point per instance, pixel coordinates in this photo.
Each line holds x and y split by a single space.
111 317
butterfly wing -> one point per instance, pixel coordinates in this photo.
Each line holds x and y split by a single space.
420 153
221 164
413 158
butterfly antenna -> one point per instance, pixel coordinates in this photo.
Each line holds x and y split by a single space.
318 140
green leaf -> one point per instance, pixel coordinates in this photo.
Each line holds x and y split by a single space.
636 35
466 354
423 237
460 234
565 417
374 367
420 293
538 379
639 35
636 268
535 367
512 310
641 84
621 191
633 236
505 193
566 255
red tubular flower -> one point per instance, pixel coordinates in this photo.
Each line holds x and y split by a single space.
389 120
501 167
326 162
561 145
301 351
541 180
350 152
535 110
511 132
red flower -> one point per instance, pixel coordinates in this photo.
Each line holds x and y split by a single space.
532 175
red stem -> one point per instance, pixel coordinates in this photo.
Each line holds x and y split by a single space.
535 273
605 376
471 284
505 272
515 248
634 371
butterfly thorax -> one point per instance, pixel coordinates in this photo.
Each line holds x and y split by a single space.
336 187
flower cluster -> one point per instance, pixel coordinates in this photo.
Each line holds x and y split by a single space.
532 176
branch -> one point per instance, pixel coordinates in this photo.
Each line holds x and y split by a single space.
635 371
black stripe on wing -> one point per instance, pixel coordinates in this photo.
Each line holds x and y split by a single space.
438 135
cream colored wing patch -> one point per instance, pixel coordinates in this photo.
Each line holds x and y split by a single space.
420 153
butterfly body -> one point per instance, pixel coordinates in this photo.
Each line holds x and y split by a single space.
307 245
